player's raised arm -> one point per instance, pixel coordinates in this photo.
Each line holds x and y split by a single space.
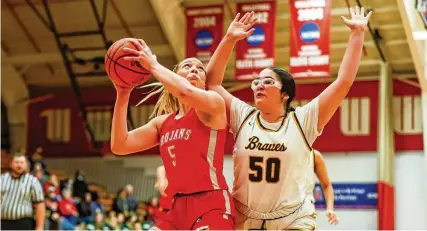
238 29
205 101
331 98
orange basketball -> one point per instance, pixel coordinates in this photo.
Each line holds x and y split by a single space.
122 72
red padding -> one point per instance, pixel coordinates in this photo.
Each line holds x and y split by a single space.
385 206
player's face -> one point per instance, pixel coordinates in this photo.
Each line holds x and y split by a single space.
266 88
19 165
194 71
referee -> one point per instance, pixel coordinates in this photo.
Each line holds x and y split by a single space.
21 198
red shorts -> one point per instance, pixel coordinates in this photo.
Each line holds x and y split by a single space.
212 210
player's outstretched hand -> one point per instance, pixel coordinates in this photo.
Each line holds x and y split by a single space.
241 28
332 217
358 20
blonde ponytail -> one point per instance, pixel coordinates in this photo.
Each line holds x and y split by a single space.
167 103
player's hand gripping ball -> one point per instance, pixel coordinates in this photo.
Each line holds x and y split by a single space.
124 73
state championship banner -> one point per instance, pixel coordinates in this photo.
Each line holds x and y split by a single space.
309 38
204 31
256 52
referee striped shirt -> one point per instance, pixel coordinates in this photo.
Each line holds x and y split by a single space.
18 196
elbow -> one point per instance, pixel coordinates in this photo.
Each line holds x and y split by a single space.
327 185
117 149
345 82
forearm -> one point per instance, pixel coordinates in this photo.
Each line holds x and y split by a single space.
119 129
40 215
218 63
351 60
328 191
174 83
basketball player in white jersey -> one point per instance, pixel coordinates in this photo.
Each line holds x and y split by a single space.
273 144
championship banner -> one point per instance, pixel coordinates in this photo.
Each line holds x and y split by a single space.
54 120
309 38
349 196
408 121
256 52
204 31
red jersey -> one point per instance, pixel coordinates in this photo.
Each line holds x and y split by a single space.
165 202
193 154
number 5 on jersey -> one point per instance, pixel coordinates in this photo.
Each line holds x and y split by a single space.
172 155
271 167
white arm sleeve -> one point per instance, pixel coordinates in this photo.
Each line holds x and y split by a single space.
239 110
308 116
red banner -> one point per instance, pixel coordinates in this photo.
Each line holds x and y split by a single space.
309 38
54 120
204 31
407 116
256 52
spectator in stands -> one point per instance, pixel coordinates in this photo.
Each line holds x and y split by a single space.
98 224
120 203
154 209
40 176
111 223
68 210
80 186
131 200
85 210
52 212
38 158
52 185
130 223
96 206
137 226
40 173
121 221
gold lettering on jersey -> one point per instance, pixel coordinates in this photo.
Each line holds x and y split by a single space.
255 144
177 134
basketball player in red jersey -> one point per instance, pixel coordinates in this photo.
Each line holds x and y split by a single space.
190 127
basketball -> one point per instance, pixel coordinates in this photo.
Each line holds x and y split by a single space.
123 72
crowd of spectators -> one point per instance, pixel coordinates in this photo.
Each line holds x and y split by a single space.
71 205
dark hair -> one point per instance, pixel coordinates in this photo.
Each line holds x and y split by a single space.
288 85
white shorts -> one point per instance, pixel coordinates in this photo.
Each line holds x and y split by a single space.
303 218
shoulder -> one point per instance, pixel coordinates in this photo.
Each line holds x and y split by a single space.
5 174
241 108
313 104
32 178
159 120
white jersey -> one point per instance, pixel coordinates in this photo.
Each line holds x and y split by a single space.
273 162
311 181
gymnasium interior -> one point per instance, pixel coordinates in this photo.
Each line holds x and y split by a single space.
57 100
